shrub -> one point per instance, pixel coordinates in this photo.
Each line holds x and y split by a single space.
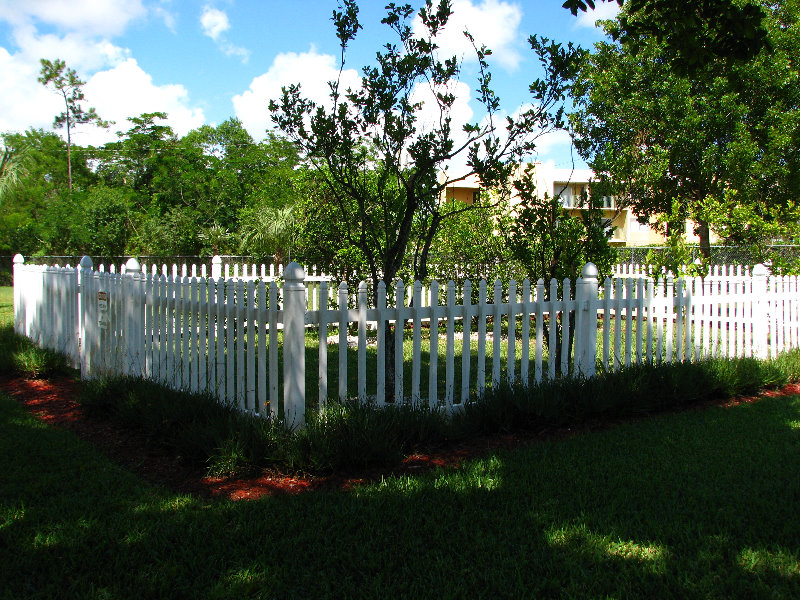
352 434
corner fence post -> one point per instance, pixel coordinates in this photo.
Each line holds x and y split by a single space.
19 305
132 321
586 334
87 326
216 266
760 312
294 345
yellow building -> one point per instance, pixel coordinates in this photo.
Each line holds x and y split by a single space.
570 185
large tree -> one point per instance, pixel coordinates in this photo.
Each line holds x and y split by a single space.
721 149
385 165
66 83
694 33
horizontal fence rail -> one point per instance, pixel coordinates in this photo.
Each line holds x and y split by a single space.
270 347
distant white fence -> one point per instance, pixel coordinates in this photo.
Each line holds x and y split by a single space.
247 341
714 271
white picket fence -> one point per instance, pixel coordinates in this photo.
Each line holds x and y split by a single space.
636 270
247 341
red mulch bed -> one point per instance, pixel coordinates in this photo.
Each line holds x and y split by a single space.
53 402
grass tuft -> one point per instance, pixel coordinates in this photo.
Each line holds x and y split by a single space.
20 356
348 435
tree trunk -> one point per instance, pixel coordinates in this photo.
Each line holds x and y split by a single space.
69 159
704 233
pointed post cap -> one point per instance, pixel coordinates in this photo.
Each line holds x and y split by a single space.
294 272
132 265
86 262
760 270
589 271
19 259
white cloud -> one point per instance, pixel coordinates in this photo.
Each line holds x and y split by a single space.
24 102
460 113
89 17
117 93
78 51
128 91
602 11
430 113
493 23
310 69
118 88
166 15
214 22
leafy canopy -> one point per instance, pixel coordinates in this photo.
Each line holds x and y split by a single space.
384 164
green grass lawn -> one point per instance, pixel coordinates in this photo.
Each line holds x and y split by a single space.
698 504
6 305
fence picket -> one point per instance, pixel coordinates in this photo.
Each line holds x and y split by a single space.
380 388
466 321
416 343
497 316
343 322
250 341
481 368
511 359
526 332
398 341
433 360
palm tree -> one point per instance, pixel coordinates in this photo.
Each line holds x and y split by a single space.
12 169
268 230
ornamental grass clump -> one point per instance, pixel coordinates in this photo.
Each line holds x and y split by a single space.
20 356
355 434
352 434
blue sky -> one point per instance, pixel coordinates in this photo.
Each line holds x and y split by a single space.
204 62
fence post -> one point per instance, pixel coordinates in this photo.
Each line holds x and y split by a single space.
760 310
294 345
19 305
586 335
133 322
216 266
87 327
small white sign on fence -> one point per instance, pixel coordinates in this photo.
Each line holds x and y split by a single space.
102 310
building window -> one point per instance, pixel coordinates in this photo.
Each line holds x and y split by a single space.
476 196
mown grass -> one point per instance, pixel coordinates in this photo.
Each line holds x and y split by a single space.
20 356
696 504
700 503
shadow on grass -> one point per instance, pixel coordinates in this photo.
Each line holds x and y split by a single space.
696 504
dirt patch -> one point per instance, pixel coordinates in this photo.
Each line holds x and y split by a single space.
53 401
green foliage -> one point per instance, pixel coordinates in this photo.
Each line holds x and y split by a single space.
469 245
552 243
675 259
41 188
106 215
267 232
20 356
381 164
695 35
199 427
65 82
12 168
631 391
720 150
352 434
